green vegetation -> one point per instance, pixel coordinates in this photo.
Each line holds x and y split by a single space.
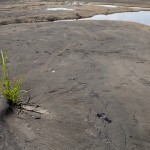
11 91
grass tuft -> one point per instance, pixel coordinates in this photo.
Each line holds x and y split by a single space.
11 91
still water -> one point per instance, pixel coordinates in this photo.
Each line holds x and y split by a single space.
55 9
142 17
115 6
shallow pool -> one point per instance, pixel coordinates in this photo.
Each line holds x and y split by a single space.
55 9
111 6
117 6
142 17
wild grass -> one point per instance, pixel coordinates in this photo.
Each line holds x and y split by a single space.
11 91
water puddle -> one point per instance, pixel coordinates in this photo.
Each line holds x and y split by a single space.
139 8
55 9
142 17
111 6
115 6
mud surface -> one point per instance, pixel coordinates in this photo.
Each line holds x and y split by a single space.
29 12
93 79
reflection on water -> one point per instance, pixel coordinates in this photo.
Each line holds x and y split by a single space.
142 17
111 6
115 6
55 9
